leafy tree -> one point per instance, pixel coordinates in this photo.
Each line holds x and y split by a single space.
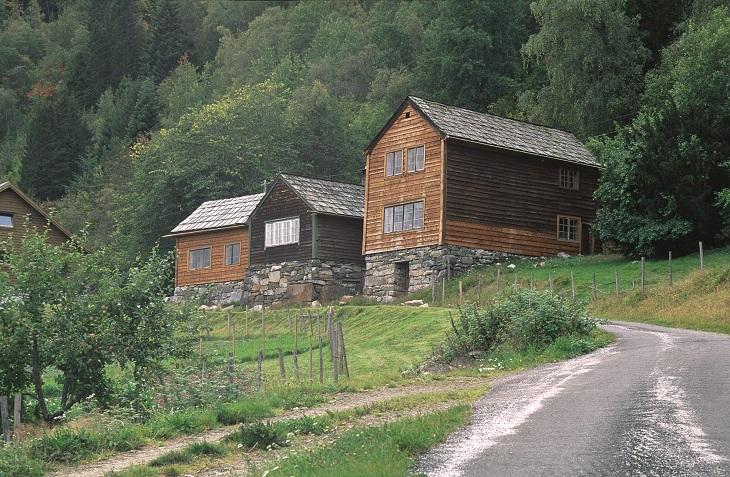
55 141
68 310
144 115
182 90
471 53
663 172
593 56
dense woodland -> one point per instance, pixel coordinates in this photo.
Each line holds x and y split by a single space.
124 115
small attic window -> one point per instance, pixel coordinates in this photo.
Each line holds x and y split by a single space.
6 220
408 114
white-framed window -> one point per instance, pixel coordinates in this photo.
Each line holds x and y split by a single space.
233 253
199 258
282 232
416 158
402 217
6 220
394 163
568 228
569 179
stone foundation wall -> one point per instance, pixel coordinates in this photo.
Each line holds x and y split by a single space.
302 282
425 264
224 294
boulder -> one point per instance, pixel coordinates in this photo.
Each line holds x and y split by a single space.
258 308
563 255
388 299
274 276
425 305
413 303
316 304
511 266
300 292
345 299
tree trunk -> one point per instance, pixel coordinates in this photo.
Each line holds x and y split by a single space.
37 379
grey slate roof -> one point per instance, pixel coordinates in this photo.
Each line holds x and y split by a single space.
215 214
490 130
329 197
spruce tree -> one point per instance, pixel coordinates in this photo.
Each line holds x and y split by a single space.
168 41
55 142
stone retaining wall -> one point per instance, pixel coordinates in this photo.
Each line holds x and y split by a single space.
297 281
425 264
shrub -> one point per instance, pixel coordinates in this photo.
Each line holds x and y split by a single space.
15 463
260 435
521 319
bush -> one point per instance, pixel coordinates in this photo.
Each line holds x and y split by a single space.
183 422
14 463
65 445
521 319
258 435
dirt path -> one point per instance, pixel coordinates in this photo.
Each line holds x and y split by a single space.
340 402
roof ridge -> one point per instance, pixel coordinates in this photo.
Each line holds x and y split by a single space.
283 174
522 121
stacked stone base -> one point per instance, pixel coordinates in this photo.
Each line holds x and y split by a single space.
425 264
296 281
223 294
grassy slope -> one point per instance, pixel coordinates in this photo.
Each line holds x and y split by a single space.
696 300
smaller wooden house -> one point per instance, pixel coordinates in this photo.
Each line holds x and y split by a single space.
212 247
306 241
20 215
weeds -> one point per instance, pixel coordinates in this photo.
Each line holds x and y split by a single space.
258 435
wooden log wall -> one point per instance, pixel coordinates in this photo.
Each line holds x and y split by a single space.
218 271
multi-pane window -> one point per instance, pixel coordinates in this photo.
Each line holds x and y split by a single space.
6 220
282 232
233 254
569 179
416 158
199 258
403 217
568 228
394 163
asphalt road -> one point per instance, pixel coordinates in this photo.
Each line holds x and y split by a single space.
656 403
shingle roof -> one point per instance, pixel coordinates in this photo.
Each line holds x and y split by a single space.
329 197
9 186
215 214
490 130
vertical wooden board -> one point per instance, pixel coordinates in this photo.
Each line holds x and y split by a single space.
382 191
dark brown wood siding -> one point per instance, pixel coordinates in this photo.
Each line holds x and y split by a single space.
510 202
280 203
218 271
339 239
12 203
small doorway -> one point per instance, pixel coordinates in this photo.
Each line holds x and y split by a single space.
402 278
589 244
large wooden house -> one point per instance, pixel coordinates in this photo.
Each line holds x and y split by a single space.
20 215
306 239
300 241
450 187
212 247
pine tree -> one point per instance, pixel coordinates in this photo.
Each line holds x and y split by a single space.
144 114
55 142
168 42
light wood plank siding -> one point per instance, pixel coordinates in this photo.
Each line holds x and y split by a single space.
218 271
12 203
510 202
423 185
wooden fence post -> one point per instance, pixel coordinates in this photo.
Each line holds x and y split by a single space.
296 349
311 351
572 284
479 291
618 284
670 268
343 351
433 288
550 282
595 291
461 293
260 361
246 316
702 258
448 268
17 408
229 369
282 370
642 275
5 418
498 269
263 328
335 347
443 291
321 358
